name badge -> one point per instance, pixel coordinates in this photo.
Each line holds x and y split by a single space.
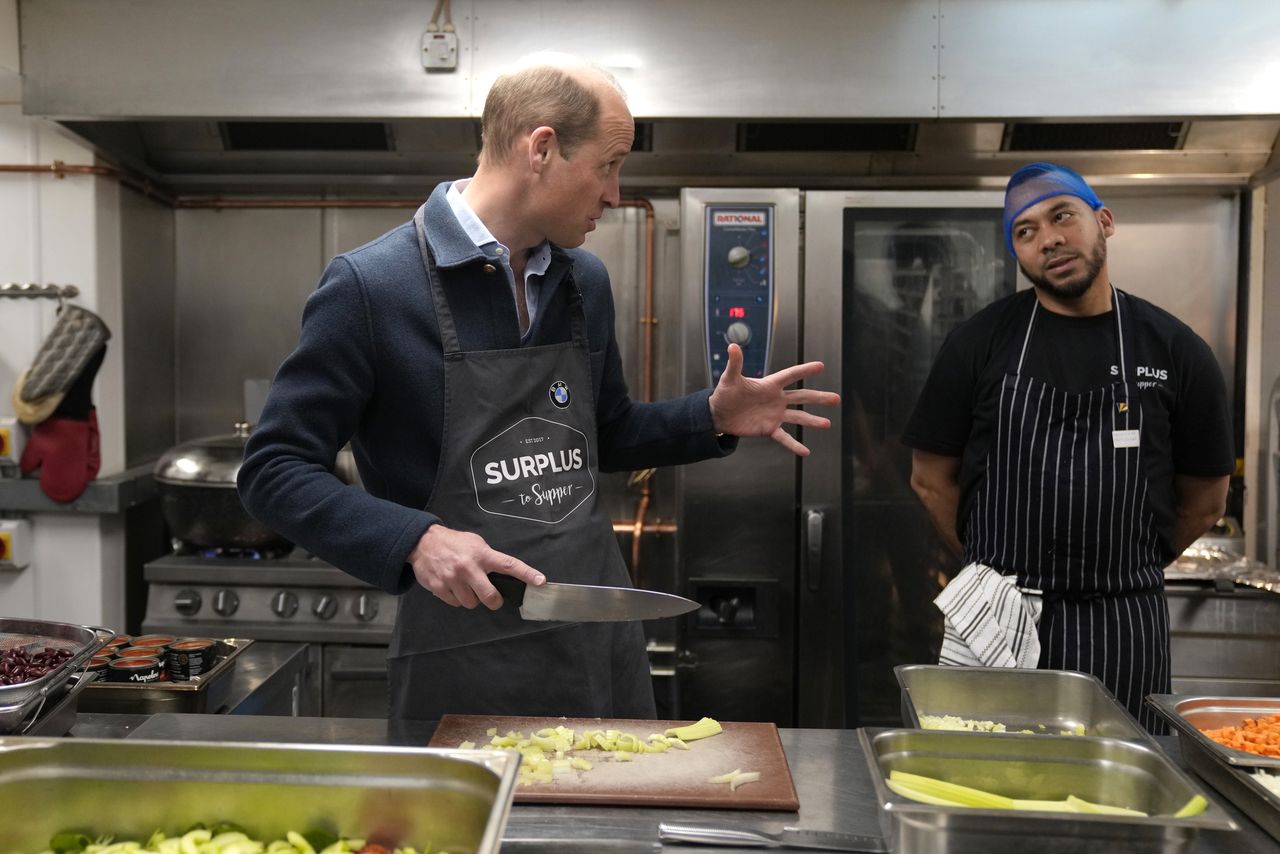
1124 438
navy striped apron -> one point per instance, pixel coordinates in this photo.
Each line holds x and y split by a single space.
1064 507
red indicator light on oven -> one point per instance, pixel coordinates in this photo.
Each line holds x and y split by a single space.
737 311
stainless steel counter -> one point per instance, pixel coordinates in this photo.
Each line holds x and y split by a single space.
268 680
830 773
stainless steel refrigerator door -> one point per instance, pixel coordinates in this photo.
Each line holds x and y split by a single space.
886 276
737 517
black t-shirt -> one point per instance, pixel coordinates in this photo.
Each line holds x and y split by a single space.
1186 424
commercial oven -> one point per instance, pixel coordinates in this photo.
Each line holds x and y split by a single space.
817 575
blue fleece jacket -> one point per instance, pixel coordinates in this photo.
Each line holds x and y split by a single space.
369 368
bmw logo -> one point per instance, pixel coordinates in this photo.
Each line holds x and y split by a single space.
559 394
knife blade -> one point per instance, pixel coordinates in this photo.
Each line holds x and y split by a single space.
790 837
588 603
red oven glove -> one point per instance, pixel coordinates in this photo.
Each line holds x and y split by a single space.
59 447
65 446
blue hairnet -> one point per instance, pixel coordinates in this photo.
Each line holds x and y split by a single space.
1036 182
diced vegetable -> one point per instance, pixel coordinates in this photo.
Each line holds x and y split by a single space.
702 729
1254 735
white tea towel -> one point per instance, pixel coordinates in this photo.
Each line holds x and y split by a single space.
989 620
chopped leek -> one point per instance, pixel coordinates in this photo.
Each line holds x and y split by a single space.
702 729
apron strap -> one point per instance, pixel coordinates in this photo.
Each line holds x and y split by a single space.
444 317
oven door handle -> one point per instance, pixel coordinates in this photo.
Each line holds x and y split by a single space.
813 522
352 674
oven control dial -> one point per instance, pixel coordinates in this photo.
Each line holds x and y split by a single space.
284 604
738 333
366 607
739 256
325 607
187 602
225 603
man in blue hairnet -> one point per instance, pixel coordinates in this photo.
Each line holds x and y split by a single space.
1071 441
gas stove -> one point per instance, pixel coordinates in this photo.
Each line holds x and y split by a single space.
291 597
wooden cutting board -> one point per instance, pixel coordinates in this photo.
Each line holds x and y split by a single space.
676 778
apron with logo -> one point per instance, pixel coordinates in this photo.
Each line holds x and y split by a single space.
518 467
1065 502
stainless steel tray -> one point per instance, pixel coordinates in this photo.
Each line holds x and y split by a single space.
1043 701
1190 715
438 800
19 703
1105 770
205 693
1225 769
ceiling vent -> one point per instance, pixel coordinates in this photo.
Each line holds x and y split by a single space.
825 136
1094 136
644 137
306 136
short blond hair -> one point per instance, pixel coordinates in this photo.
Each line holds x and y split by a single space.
544 90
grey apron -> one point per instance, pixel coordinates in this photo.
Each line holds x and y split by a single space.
1064 504
518 467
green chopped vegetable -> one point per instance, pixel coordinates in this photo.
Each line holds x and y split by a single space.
65 843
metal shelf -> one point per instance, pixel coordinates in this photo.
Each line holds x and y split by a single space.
112 494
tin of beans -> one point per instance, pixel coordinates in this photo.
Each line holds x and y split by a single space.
140 652
136 671
189 657
153 640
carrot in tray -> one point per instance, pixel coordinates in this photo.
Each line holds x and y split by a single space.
1253 735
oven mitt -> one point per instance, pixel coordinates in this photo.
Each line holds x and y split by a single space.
76 338
65 447
33 413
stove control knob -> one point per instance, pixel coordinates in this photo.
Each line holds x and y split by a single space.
738 333
366 607
225 603
284 604
187 602
326 606
739 256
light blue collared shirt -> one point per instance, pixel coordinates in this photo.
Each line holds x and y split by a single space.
534 269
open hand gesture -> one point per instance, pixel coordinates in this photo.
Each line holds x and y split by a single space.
743 406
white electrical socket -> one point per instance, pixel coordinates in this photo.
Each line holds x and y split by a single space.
439 51
12 439
15 544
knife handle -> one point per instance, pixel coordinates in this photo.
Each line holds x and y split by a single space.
511 588
723 836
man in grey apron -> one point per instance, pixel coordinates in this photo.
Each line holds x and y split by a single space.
1070 442
471 356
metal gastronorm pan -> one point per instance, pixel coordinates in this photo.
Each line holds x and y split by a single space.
1043 701
19 703
438 800
201 694
1103 770
1225 769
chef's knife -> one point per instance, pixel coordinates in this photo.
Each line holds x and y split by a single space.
587 603
790 837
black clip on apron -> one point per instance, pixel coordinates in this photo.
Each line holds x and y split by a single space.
518 467
1064 503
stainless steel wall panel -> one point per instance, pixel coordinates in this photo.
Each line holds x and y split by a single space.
243 276
149 326
747 58
1180 252
1096 58
236 58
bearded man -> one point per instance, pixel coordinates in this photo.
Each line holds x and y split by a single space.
1071 441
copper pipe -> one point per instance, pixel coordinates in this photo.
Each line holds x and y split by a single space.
245 204
651 528
646 383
